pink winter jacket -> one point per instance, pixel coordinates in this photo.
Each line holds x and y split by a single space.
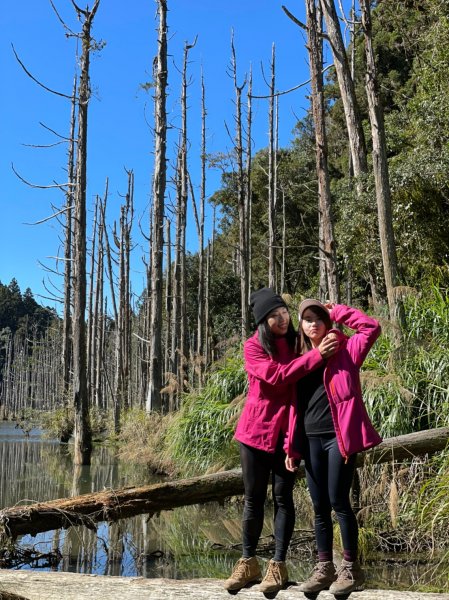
271 392
353 426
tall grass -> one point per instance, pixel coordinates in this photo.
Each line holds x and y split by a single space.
199 437
407 389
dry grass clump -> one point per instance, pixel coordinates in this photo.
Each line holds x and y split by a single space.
142 440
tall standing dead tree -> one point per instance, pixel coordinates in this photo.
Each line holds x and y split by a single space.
243 263
153 400
83 437
381 176
347 91
272 191
66 355
327 243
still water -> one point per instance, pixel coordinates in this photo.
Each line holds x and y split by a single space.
187 542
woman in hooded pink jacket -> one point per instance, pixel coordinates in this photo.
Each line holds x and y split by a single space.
273 367
328 425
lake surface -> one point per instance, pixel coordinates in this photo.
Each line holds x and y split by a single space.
183 543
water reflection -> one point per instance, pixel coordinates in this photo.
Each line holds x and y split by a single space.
175 544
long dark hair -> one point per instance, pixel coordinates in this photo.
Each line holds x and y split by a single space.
304 342
267 338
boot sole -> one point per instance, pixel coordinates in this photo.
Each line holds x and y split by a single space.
344 595
249 584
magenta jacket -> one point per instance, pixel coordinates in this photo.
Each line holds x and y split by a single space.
353 426
272 390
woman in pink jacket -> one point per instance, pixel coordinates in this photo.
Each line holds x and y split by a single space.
328 425
273 367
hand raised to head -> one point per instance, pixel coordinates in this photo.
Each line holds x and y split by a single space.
329 345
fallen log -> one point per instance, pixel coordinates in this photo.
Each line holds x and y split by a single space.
39 585
112 505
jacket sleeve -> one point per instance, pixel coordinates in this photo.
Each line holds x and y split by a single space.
367 330
260 365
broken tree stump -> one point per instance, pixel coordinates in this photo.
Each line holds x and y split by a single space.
112 505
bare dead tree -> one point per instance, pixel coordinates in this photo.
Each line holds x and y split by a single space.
201 274
243 263
381 177
122 332
83 437
98 316
66 355
168 310
91 317
153 400
272 191
347 91
248 190
328 253
177 309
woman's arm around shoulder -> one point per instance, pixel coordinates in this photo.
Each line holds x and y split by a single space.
367 329
259 364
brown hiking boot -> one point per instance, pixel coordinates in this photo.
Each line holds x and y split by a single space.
275 578
246 571
323 575
350 578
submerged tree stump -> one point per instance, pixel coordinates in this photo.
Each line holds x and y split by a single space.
35 585
112 505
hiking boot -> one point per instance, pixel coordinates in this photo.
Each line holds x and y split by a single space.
275 578
350 578
323 575
246 571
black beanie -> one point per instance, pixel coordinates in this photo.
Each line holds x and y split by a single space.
263 302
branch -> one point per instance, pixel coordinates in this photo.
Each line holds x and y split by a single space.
63 210
62 21
65 139
36 80
61 186
300 23
43 145
296 87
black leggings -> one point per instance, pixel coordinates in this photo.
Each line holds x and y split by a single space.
329 480
256 468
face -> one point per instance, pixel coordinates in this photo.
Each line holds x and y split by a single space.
278 320
313 326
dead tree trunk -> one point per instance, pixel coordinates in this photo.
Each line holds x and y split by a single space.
83 438
272 209
347 91
315 50
99 316
248 189
381 177
112 505
91 323
153 401
201 271
68 257
176 361
241 188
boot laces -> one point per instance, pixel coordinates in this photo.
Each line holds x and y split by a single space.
273 573
345 573
242 569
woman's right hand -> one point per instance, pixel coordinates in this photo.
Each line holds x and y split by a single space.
291 464
328 346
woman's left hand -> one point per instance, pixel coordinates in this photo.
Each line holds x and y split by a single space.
290 464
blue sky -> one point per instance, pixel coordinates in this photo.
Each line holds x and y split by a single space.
120 112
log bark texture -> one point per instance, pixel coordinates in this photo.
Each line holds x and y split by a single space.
112 505
35 585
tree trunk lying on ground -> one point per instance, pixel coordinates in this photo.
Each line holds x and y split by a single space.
112 505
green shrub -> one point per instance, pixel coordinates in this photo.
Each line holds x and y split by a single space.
199 437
